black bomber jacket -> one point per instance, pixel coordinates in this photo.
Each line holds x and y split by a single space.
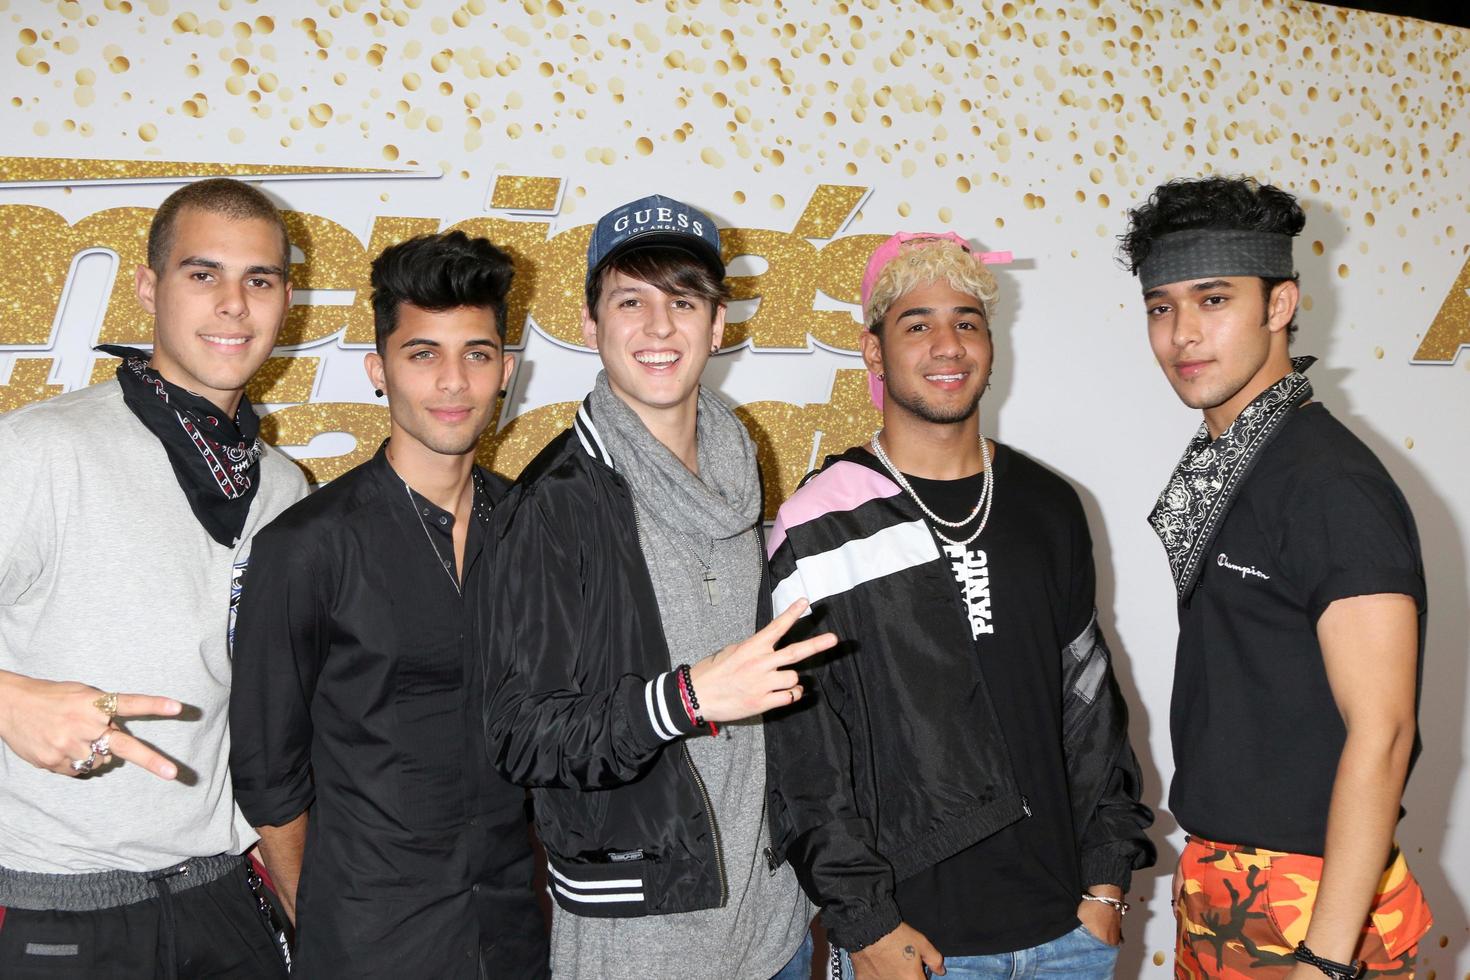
858 801
580 703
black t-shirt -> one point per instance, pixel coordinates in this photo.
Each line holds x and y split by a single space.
1256 732
1027 581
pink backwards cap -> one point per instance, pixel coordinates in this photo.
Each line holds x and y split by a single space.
886 253
889 250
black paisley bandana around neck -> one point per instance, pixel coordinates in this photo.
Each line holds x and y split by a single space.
214 458
1204 484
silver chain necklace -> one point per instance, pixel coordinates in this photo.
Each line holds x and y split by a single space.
987 492
708 580
428 536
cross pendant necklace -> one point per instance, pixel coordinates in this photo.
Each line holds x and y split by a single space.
711 583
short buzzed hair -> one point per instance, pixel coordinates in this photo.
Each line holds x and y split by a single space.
218 195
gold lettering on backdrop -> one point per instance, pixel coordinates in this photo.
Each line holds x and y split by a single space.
39 246
548 283
840 266
1450 329
789 438
332 258
547 290
38 260
299 424
508 451
27 383
785 289
517 192
558 267
828 210
123 231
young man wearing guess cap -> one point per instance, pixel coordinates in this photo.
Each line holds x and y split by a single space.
634 645
1300 589
957 791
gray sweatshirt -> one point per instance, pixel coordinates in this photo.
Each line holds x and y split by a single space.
107 578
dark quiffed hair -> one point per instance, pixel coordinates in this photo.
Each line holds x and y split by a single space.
673 270
219 195
1224 203
439 272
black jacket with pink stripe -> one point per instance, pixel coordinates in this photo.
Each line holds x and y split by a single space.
896 760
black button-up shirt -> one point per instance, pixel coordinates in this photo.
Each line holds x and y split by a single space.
357 693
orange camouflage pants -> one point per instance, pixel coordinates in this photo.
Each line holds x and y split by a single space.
1242 910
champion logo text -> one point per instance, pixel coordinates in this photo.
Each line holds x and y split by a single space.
1224 561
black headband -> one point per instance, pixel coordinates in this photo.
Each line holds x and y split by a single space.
1202 252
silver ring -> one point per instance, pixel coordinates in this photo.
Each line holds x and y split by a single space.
84 765
102 745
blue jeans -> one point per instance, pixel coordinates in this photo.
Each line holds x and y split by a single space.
799 967
1078 954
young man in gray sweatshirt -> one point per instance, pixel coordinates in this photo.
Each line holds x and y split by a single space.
129 508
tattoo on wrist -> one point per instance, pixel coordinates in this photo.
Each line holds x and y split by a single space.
908 953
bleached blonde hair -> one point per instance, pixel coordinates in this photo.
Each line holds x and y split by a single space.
930 260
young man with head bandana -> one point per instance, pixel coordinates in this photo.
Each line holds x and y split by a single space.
1300 591
129 509
358 750
632 655
957 793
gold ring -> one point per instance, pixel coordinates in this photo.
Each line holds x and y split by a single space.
792 691
107 704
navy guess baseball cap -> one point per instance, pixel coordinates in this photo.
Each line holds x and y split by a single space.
655 220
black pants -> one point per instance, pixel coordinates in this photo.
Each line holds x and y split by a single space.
218 931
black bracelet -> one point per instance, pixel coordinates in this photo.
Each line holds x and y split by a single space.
699 721
1334 969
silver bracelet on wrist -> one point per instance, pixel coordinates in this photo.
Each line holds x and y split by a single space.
1116 903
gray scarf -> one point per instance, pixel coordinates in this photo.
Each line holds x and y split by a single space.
724 500
712 516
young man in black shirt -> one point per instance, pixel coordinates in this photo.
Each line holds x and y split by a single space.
1301 596
358 752
957 793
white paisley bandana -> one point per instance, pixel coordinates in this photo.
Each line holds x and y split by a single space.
1204 484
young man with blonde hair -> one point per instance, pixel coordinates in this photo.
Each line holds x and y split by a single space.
957 792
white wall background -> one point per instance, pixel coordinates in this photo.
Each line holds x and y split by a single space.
1025 126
